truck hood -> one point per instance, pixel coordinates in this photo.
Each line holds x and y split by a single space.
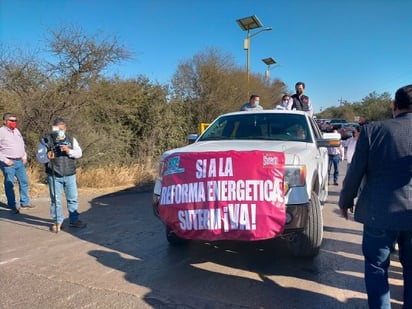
294 151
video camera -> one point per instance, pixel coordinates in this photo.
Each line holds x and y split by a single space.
55 140
59 138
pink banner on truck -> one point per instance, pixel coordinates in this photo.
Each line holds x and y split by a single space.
224 195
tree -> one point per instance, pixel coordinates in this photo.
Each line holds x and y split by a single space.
211 84
373 107
376 107
130 121
44 91
81 59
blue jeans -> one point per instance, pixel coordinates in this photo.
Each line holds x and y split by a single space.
56 185
334 160
17 170
376 247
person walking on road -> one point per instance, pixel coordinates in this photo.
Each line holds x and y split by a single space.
335 155
13 160
59 151
384 156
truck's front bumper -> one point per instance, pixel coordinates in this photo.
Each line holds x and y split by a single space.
296 215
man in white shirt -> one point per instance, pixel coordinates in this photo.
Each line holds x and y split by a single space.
284 104
58 151
350 145
335 154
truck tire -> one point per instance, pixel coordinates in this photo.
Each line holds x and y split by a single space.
308 242
173 239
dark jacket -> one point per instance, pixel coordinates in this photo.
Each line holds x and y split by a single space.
62 164
300 103
384 156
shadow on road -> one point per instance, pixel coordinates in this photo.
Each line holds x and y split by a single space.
197 275
212 275
25 217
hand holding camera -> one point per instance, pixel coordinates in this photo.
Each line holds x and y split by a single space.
50 155
57 143
65 148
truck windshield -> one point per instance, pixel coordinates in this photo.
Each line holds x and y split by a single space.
283 127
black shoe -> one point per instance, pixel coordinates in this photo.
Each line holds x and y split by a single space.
335 184
78 224
15 211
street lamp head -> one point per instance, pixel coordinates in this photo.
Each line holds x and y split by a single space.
269 61
249 23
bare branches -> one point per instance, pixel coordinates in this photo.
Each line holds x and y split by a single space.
81 58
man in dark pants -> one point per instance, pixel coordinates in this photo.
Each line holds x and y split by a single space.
383 156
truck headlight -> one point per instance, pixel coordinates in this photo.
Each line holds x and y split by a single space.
295 176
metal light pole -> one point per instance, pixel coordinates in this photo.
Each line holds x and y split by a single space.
247 24
268 61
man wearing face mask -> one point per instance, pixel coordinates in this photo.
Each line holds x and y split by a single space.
284 104
59 151
253 104
13 159
299 101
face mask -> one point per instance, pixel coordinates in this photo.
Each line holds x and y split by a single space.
284 102
12 125
256 103
60 134
299 91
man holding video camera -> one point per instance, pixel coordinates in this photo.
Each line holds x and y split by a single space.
59 151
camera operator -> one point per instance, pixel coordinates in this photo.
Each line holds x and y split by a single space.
59 151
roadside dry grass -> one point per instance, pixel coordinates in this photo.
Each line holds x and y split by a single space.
103 179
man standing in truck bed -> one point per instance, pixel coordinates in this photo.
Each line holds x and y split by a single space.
299 101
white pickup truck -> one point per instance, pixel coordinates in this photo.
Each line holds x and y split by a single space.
303 146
